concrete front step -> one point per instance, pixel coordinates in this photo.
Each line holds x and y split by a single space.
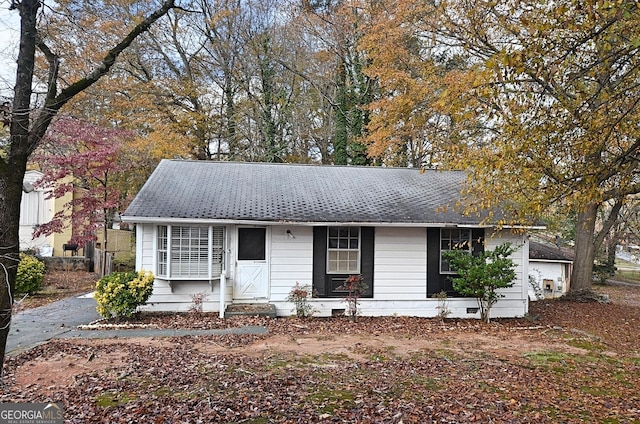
250 309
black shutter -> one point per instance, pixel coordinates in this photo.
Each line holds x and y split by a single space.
477 241
436 282
367 242
320 261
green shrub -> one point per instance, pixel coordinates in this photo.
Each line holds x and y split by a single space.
124 263
30 275
120 293
482 275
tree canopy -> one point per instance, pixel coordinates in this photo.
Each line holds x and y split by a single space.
552 89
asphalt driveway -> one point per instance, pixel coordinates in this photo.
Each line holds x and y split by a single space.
32 327
60 320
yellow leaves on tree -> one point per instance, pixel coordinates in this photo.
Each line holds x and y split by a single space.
420 83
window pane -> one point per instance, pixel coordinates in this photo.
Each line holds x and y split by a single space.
453 239
190 255
343 252
217 254
162 250
251 244
189 252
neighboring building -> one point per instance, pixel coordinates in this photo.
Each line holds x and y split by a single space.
550 270
35 209
257 229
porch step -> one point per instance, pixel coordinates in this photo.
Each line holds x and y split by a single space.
251 309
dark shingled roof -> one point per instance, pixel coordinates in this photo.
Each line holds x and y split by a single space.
548 252
237 191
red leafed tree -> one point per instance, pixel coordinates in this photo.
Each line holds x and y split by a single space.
83 159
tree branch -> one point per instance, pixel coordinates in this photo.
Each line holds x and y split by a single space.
54 104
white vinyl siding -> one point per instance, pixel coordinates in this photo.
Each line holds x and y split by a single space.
400 264
291 259
32 208
400 272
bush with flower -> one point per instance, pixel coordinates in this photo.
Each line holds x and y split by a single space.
355 287
299 296
119 294
30 274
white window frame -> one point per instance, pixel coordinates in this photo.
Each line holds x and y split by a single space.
450 242
341 253
178 245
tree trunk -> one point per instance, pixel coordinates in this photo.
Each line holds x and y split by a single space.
11 195
105 232
341 134
585 252
12 170
612 244
27 130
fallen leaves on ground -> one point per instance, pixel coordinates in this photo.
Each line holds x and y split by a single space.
567 362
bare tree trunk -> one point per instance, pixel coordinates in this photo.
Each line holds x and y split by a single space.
581 278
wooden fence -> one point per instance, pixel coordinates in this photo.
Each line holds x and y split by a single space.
97 261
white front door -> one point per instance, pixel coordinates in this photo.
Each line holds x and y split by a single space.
252 268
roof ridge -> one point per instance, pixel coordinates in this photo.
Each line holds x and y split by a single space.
314 165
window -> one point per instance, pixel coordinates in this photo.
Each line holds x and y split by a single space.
163 244
343 250
251 244
195 252
334 252
453 239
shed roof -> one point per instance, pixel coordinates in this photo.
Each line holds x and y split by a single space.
547 252
240 191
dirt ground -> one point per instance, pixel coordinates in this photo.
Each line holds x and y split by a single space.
521 364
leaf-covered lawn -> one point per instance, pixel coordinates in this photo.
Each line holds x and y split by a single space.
575 362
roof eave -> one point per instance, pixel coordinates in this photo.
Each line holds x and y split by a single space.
173 220
559 261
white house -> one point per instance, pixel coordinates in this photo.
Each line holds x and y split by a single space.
550 270
35 209
247 232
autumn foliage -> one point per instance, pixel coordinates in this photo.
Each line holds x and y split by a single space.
81 163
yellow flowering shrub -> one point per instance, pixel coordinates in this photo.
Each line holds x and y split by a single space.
30 274
119 294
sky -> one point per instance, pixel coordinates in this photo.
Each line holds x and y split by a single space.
9 32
